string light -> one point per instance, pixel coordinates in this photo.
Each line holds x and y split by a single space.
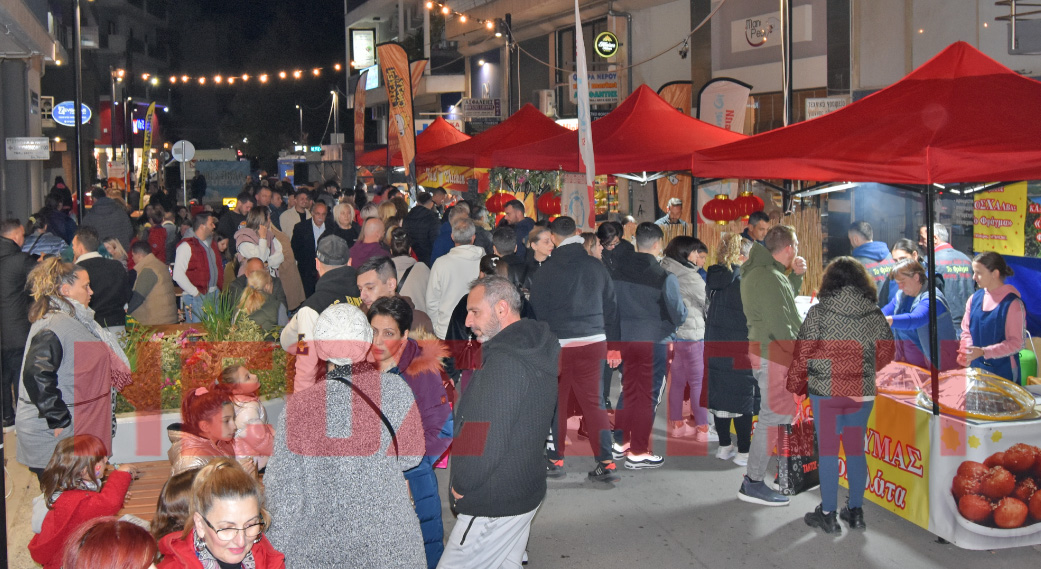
462 18
337 67
173 79
231 80
316 72
245 77
281 74
430 5
263 78
202 80
297 74
184 78
446 10
489 24
218 79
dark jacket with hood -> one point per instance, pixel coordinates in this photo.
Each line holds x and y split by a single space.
422 226
843 342
336 285
650 307
111 220
731 385
875 257
499 461
575 295
14 299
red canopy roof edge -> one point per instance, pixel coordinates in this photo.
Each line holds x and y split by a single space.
959 117
527 125
644 134
438 135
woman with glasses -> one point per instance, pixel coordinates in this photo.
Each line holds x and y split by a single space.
908 315
226 523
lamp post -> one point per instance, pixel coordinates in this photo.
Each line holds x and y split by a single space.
301 109
78 102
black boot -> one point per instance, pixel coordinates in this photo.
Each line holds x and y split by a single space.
827 522
854 517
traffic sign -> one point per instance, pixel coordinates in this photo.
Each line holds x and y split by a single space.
183 151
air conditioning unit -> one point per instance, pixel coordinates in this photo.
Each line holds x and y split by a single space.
1027 40
546 100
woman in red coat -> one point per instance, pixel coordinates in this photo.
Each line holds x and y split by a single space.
225 526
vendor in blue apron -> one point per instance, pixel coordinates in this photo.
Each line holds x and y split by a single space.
992 332
908 314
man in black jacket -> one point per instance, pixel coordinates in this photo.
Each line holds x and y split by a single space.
305 243
423 226
573 294
14 310
108 280
498 463
504 244
650 309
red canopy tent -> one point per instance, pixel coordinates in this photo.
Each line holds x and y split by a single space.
644 134
438 135
525 126
960 117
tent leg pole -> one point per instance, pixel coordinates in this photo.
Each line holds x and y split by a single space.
934 354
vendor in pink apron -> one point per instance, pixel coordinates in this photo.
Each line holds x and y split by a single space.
993 330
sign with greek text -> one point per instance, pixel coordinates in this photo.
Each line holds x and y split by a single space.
820 106
999 217
603 88
480 108
28 148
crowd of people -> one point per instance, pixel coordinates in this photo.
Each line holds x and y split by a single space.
424 334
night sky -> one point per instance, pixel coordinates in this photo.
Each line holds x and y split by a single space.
253 36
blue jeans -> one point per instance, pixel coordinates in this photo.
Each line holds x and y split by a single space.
842 418
192 305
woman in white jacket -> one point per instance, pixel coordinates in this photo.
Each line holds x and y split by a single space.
256 240
688 363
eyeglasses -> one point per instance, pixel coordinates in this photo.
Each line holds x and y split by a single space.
228 534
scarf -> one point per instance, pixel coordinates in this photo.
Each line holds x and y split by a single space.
118 362
210 562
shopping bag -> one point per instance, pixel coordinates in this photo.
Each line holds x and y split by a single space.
798 464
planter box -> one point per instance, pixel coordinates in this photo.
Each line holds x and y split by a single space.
142 438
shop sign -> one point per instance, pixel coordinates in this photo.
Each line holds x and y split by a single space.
603 88
28 148
480 108
363 48
816 107
999 220
64 113
606 44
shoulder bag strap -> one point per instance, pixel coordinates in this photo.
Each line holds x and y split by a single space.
383 417
401 281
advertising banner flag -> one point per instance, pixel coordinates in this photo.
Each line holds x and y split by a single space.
998 220
416 69
576 201
678 94
146 150
722 102
397 78
585 125
359 116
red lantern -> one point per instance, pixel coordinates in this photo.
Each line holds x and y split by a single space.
497 202
720 209
748 203
549 203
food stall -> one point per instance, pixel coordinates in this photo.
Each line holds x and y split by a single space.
928 428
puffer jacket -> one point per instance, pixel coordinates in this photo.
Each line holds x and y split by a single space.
692 291
843 342
731 385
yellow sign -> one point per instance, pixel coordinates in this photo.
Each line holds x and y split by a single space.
998 218
897 451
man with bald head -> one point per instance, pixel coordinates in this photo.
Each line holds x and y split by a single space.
369 245
234 291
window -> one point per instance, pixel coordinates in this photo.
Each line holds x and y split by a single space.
566 60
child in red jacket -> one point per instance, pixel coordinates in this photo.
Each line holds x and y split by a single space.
73 495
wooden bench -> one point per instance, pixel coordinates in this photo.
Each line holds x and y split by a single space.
144 491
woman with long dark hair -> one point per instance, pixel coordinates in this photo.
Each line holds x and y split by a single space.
843 342
992 332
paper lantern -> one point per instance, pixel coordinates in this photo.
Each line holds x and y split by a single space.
748 203
720 209
497 202
549 203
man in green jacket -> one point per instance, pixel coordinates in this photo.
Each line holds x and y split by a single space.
769 281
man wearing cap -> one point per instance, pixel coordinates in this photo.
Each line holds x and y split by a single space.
672 217
336 283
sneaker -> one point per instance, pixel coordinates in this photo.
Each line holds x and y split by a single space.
827 522
741 459
726 453
555 469
639 461
605 472
702 434
618 451
759 493
682 432
854 517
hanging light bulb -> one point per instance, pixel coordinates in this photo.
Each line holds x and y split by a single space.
218 79
263 78
281 74
245 77
173 78
184 78
316 71
446 10
202 80
231 80
489 24
297 74
430 5
337 67
462 18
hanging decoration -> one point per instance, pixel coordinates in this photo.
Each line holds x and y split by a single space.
748 203
720 209
549 203
496 203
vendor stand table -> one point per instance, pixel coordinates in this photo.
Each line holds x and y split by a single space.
913 456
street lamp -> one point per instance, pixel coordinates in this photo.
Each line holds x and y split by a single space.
78 102
301 109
